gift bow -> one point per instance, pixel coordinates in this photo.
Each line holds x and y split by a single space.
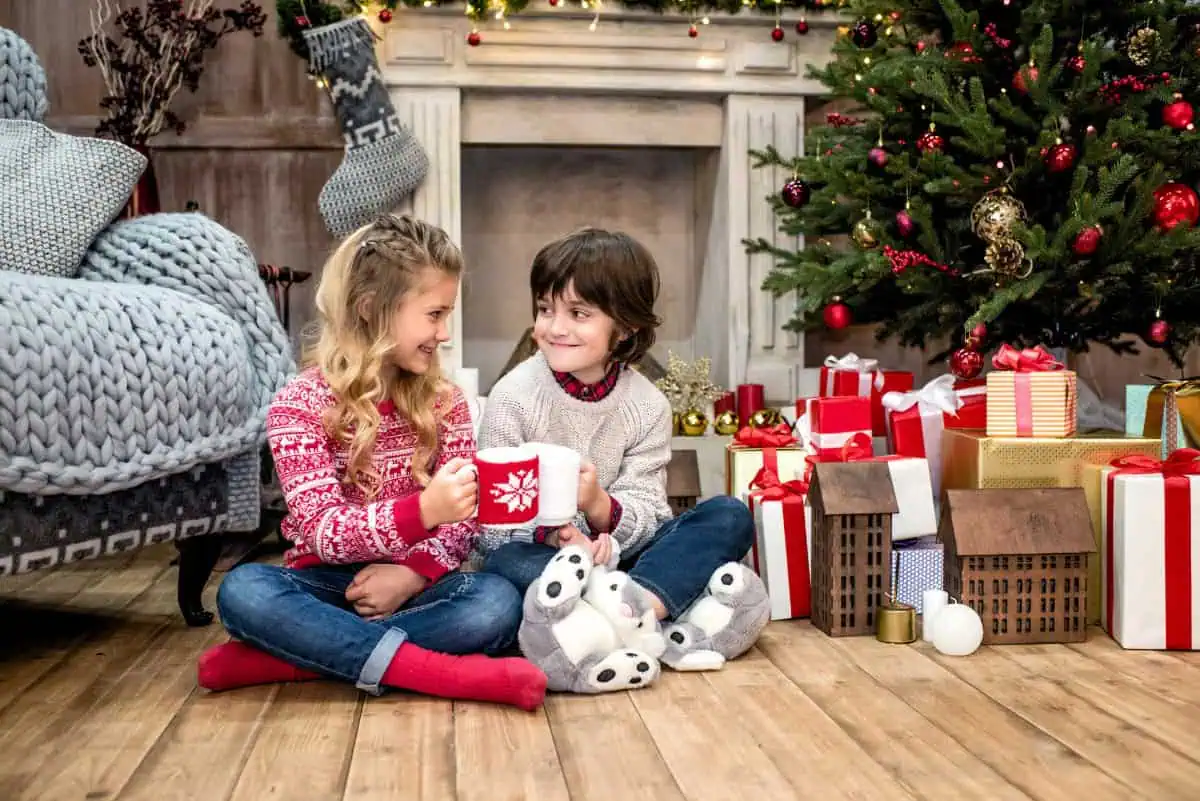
852 362
1181 462
938 394
1028 360
768 487
857 448
776 436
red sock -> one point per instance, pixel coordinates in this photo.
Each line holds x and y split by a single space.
508 680
235 664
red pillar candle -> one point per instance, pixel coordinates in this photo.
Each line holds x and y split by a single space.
750 398
725 403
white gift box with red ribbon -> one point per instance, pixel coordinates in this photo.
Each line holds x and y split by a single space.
781 552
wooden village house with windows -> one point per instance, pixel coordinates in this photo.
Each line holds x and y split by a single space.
852 508
1019 557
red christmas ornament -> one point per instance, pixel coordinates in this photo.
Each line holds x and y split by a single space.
1061 157
802 27
920 46
302 21
966 363
1159 332
693 31
1179 114
1024 77
1175 204
385 16
473 38
1087 241
929 142
878 157
796 193
554 2
904 223
1076 64
777 33
837 315
964 52
979 332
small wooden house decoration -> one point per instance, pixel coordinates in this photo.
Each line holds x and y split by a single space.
1019 557
850 570
683 481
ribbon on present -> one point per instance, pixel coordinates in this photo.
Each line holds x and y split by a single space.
1177 537
1172 401
1023 363
867 370
776 436
937 395
766 486
926 407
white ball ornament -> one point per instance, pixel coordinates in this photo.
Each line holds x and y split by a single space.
958 630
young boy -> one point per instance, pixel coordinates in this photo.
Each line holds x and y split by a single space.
593 297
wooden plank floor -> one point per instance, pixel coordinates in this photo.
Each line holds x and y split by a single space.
98 702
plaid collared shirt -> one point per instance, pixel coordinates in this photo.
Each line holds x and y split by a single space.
590 393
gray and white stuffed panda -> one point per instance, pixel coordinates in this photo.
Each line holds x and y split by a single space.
589 628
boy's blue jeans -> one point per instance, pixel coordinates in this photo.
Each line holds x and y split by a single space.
302 617
675 566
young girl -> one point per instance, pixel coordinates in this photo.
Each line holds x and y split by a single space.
593 296
370 444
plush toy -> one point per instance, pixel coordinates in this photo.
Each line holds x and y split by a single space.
722 624
589 627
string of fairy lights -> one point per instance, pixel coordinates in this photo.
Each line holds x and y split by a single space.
696 13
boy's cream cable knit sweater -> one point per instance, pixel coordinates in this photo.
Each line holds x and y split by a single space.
626 435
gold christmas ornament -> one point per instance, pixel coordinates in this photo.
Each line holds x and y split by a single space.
765 418
693 423
1141 46
996 214
1006 256
726 422
866 233
687 385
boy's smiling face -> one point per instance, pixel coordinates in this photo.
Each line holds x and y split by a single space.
575 336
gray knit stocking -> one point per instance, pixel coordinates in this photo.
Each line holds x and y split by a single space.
384 163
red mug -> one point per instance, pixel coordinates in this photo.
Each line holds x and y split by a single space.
508 487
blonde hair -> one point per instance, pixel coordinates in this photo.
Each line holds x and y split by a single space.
362 285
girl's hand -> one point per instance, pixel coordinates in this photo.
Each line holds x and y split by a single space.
379 590
451 495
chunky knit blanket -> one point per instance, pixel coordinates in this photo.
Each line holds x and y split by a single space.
163 354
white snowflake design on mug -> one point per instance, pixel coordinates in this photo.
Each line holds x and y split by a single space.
519 492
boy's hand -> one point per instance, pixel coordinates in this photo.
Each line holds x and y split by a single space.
379 590
593 500
600 548
451 495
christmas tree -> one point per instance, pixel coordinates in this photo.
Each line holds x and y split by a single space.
1014 171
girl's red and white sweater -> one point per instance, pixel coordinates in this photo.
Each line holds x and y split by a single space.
331 521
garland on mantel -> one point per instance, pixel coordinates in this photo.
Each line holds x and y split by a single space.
295 16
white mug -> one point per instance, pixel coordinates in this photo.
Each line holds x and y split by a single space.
558 483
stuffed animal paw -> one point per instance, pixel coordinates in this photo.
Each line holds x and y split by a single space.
722 624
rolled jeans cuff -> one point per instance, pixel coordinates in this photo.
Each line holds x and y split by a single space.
377 663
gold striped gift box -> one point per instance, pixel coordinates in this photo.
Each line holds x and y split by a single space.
1031 404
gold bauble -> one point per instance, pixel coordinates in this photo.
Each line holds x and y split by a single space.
765 418
1005 256
1141 46
866 233
676 424
995 215
693 423
726 422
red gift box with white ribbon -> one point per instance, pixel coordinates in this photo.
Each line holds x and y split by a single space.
827 424
853 375
916 423
1150 551
782 547
972 414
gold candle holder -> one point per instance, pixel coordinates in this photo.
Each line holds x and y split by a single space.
896 623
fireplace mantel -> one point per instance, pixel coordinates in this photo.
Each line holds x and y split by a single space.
637 79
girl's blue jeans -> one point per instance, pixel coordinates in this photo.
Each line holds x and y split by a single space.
302 617
675 566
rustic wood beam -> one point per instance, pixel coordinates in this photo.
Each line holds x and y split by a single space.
230 133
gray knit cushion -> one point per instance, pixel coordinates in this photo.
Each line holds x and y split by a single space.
22 80
58 192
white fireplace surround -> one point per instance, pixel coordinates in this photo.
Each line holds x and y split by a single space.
638 80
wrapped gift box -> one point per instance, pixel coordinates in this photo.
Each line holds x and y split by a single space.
753 449
851 375
782 547
1030 394
1147 514
1144 406
829 423
973 460
916 567
972 414
916 422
